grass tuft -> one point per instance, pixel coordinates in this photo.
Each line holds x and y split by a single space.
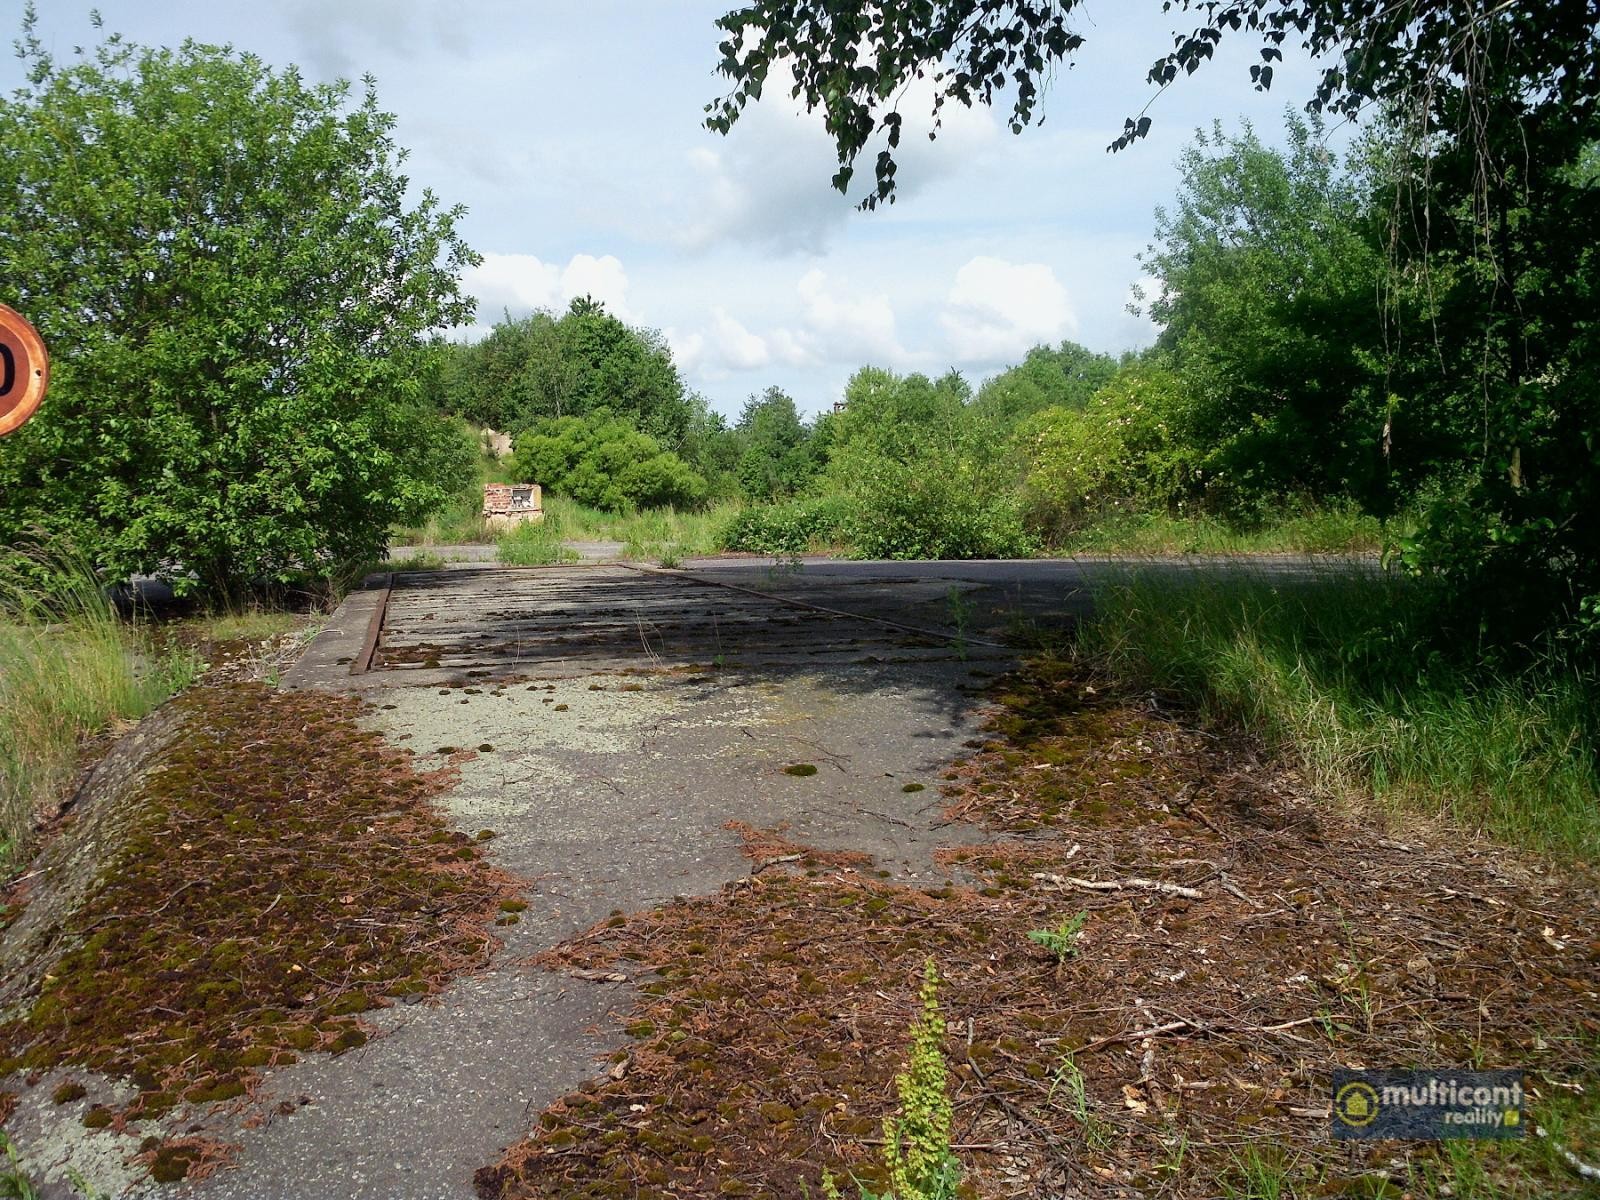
69 667
536 544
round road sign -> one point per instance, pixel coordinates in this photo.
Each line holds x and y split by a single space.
24 370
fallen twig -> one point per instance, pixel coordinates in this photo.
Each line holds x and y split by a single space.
1119 885
1584 1170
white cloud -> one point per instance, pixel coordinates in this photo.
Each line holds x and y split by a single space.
734 346
520 283
997 310
843 328
767 183
833 326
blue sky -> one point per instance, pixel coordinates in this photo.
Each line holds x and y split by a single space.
571 131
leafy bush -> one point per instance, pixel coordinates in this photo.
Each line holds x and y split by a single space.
239 300
937 507
604 462
788 529
1123 446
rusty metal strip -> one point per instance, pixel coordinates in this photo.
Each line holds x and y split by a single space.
369 644
944 635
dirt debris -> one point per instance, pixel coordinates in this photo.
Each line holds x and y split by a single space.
1182 1048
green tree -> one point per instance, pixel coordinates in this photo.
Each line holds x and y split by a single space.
540 366
1268 272
1062 377
710 448
918 472
774 461
1131 445
1443 59
239 301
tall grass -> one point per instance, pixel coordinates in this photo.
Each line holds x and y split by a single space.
536 544
1330 529
460 521
69 666
651 533
1339 671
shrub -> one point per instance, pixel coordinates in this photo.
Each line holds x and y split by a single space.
240 300
604 462
937 507
788 529
1124 446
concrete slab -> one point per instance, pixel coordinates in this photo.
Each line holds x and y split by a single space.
608 767
617 720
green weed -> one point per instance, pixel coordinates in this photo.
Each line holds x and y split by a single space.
1062 941
14 1181
1306 529
917 1157
1263 1173
536 544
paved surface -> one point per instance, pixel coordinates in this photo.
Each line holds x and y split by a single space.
623 716
631 713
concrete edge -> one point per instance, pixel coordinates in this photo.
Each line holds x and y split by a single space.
327 660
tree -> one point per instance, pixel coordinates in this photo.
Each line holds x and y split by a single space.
1487 249
1063 377
240 305
531 368
851 59
907 452
1130 446
1268 271
773 457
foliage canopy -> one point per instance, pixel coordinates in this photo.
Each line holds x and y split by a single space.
851 59
239 301
603 461
543 365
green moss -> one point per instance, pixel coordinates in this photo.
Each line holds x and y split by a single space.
349 1004
800 770
912 787
98 1117
223 1089
68 1092
171 1164
199 1008
350 1039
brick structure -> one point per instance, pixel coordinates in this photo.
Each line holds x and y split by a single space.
509 504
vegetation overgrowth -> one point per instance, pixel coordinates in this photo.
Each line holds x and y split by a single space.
241 301
342 887
70 665
1338 671
771 1017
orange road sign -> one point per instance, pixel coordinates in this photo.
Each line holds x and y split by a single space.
24 370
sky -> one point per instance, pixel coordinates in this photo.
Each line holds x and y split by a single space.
571 131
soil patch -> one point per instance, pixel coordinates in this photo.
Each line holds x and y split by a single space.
1240 939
